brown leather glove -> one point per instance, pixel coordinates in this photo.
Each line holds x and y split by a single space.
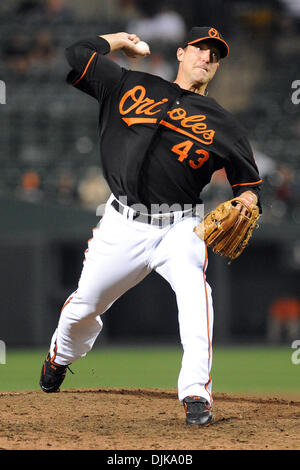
227 229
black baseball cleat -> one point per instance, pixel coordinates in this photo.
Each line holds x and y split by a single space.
52 375
198 410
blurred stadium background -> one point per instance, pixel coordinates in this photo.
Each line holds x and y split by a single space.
51 181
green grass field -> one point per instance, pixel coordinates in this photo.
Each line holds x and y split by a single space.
246 369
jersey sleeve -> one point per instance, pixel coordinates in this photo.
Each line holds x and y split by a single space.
241 169
92 72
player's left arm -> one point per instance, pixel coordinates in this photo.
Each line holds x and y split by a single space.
243 174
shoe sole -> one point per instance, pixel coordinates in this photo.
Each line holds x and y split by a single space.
203 425
49 390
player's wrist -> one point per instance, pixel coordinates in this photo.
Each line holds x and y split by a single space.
116 41
248 197
119 41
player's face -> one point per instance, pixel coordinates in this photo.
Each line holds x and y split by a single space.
199 62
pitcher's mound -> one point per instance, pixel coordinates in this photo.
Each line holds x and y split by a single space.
143 419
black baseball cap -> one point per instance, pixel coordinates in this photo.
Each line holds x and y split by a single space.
204 33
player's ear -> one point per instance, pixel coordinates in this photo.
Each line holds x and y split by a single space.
180 54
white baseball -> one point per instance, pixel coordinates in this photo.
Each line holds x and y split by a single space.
143 47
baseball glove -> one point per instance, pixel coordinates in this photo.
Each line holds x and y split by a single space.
227 230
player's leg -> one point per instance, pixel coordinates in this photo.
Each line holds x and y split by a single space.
114 262
181 259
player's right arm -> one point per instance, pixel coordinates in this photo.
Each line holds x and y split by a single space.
93 72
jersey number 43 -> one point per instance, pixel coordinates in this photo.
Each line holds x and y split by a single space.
184 150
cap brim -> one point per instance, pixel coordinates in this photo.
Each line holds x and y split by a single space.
222 45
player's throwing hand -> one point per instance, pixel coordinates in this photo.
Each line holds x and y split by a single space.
127 43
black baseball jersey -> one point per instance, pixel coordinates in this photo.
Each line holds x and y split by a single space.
159 143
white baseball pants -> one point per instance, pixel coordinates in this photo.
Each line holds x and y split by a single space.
120 254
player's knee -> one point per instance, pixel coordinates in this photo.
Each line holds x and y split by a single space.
76 311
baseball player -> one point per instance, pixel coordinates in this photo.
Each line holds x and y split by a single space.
160 143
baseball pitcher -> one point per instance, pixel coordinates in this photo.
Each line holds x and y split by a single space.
160 143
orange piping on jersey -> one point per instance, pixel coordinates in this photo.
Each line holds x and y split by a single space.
86 69
207 316
131 121
208 141
66 303
207 306
206 385
54 354
206 260
246 184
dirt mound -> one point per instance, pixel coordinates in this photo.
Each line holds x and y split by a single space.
143 419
